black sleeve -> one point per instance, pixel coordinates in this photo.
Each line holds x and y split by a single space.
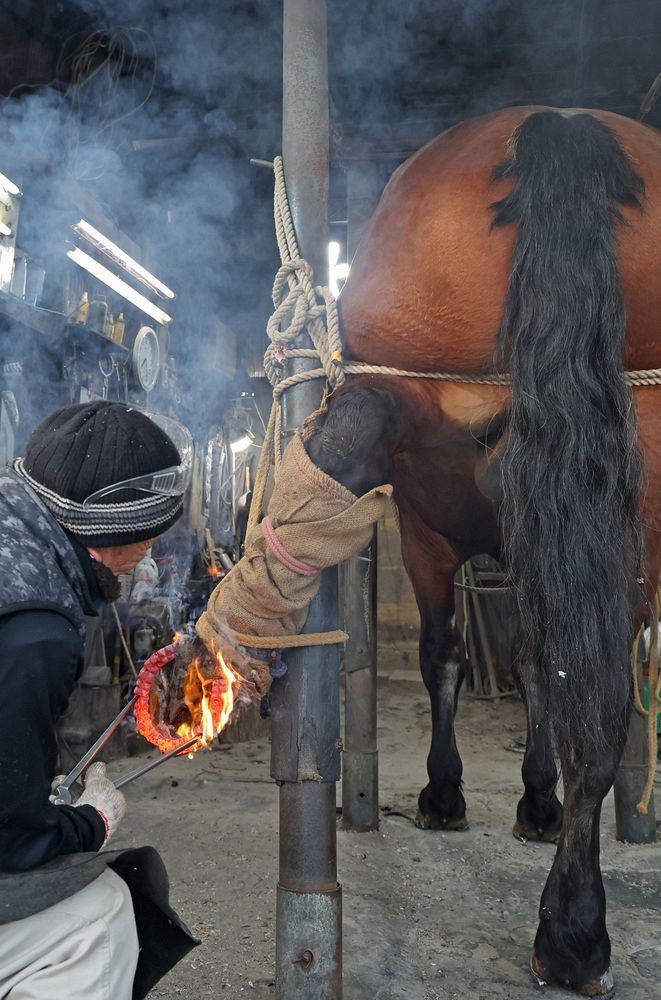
40 653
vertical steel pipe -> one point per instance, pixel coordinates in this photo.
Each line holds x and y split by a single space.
360 760
305 756
630 825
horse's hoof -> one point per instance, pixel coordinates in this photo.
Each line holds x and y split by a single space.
524 834
424 822
602 987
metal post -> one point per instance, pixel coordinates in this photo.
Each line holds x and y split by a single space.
630 825
305 754
360 760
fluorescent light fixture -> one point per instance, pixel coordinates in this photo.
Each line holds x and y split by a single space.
118 285
8 185
336 271
122 259
242 444
5 230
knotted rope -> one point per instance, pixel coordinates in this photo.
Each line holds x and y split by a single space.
654 685
299 307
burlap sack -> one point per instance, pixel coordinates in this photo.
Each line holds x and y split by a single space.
312 522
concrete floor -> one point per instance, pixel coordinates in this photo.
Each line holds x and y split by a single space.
426 915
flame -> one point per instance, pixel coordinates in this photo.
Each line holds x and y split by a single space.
210 702
214 572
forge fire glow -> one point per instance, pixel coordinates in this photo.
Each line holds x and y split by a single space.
208 703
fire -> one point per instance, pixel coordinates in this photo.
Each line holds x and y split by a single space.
208 703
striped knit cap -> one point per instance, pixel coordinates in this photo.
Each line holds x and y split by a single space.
81 448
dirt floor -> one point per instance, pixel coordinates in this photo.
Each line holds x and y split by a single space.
426 915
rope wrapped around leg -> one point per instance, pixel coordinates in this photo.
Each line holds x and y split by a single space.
313 522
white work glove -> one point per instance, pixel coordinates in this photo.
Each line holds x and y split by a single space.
100 793
55 784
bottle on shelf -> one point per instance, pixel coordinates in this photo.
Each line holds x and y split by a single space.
79 318
97 314
118 329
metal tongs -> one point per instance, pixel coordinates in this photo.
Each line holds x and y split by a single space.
63 792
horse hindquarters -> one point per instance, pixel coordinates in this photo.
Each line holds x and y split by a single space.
571 481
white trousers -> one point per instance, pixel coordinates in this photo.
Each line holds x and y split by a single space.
83 948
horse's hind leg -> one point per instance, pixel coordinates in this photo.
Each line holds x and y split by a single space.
572 947
539 812
431 565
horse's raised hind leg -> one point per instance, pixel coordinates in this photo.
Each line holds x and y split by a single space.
431 564
572 947
539 812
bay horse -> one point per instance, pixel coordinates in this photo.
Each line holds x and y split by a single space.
527 241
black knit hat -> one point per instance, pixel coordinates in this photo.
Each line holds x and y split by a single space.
80 449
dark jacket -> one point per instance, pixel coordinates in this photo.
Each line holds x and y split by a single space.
47 852
45 594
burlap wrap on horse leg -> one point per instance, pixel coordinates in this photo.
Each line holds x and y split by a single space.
312 523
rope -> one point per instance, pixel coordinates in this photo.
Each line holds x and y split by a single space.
652 713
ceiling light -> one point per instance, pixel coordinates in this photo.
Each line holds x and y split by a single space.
5 230
122 259
9 186
84 260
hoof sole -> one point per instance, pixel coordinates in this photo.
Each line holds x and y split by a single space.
524 834
603 987
429 823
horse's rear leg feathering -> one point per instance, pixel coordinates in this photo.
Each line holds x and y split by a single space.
571 479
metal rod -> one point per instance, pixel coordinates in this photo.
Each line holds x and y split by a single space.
360 760
87 758
305 756
482 632
124 779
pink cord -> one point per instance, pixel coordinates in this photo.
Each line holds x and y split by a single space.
280 551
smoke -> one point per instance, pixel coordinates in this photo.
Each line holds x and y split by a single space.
156 106
152 114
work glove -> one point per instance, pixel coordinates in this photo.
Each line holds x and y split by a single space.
55 784
101 794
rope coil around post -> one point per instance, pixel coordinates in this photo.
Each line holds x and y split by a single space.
300 307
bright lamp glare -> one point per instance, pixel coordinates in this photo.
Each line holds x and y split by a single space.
84 260
9 186
5 230
241 445
336 272
121 258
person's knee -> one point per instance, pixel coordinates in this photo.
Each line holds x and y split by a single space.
119 917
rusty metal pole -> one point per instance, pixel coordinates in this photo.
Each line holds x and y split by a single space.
360 760
305 754
630 825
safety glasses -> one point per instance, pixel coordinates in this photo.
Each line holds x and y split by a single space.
169 482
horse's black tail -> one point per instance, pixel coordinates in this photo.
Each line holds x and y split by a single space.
571 469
